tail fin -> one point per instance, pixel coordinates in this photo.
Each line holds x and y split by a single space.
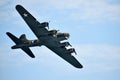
18 41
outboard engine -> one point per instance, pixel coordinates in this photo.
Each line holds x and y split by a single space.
66 35
65 44
44 24
72 50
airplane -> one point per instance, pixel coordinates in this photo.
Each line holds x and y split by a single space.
49 38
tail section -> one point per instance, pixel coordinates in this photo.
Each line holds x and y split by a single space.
18 42
14 38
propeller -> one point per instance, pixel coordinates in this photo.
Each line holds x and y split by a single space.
48 24
69 44
74 51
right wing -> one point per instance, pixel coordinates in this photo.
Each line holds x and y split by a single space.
64 53
18 41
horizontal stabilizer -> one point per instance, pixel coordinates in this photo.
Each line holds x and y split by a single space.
18 41
14 38
28 51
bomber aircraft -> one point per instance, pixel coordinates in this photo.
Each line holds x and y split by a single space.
49 38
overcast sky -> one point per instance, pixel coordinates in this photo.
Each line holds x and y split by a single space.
94 26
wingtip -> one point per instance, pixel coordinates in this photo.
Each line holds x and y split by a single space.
79 67
18 6
33 56
8 33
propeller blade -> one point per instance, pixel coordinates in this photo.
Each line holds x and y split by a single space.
48 27
69 44
48 24
74 51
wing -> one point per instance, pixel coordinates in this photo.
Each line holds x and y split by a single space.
31 21
18 41
63 53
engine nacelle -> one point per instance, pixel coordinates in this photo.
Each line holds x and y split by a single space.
53 32
65 44
62 36
66 35
72 50
44 24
